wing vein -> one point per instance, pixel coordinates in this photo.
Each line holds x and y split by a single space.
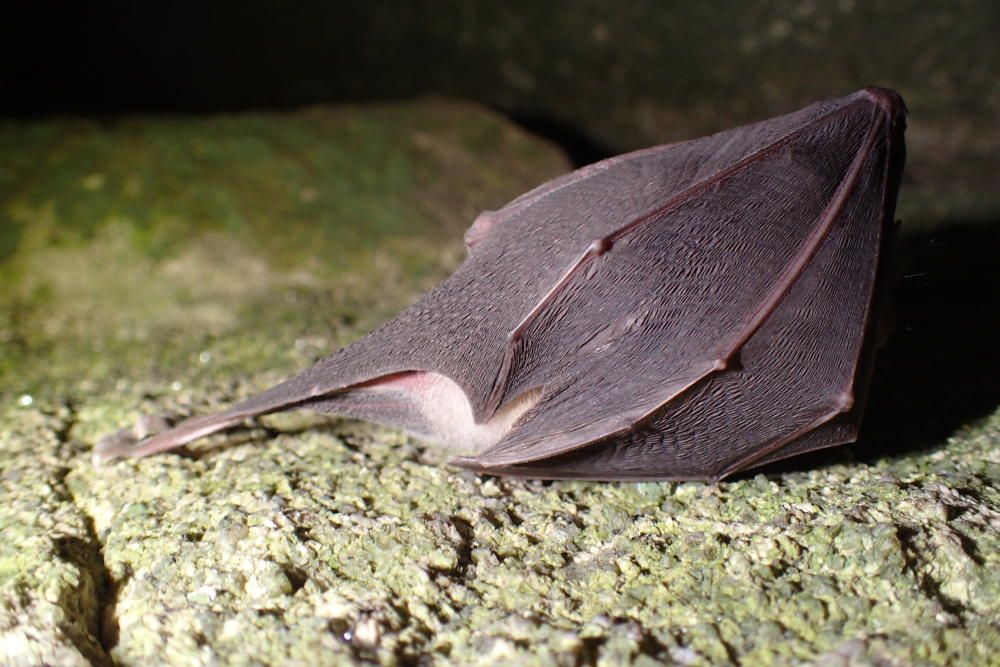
782 286
602 245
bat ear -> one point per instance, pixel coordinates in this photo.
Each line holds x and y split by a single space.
480 228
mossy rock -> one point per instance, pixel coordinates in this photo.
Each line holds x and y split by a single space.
173 265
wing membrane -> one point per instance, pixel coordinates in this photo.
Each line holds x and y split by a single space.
685 307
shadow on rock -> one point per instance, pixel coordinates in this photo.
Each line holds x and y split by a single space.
940 368
580 148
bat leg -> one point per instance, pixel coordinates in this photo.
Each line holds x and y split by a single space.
121 442
151 435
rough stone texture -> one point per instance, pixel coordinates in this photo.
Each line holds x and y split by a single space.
171 265
614 74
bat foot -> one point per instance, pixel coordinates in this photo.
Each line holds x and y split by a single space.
124 443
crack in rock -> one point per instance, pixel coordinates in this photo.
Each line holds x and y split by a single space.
92 604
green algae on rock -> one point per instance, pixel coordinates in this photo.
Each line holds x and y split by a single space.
307 540
131 232
338 542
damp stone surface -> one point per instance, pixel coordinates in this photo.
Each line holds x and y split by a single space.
172 265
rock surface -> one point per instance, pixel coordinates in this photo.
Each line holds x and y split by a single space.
607 80
173 265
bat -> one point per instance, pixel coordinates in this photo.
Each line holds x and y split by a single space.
681 312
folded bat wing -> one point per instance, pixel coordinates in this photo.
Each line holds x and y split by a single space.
723 325
682 311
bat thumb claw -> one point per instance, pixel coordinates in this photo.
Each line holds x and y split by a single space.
113 446
468 462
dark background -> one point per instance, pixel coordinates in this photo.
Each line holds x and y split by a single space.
599 78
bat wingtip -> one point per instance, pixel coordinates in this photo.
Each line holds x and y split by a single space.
888 100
